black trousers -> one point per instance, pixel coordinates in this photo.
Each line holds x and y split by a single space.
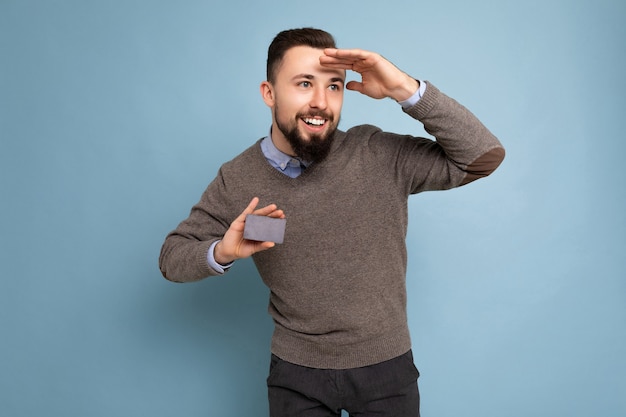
387 389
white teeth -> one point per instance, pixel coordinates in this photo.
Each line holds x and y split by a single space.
315 122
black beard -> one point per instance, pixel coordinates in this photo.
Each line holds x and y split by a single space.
315 149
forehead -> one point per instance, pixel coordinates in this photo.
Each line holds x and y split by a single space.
305 60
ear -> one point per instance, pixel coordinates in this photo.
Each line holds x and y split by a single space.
267 92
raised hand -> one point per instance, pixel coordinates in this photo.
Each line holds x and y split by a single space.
379 77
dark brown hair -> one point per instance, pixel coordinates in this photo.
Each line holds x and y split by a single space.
285 40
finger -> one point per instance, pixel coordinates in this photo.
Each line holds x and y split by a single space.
252 205
347 53
277 214
264 211
265 245
330 60
341 58
342 65
248 210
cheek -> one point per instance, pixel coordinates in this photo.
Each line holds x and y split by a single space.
285 119
336 103
287 108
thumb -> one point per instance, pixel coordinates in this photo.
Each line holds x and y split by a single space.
355 86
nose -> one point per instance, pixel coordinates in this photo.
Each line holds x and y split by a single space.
318 99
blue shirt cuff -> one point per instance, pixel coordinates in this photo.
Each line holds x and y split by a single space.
213 263
412 101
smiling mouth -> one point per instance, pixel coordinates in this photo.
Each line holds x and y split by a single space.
314 121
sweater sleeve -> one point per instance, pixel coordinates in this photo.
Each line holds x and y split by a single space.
183 255
464 151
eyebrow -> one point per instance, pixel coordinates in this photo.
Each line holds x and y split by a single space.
312 77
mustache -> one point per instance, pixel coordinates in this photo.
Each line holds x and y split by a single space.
319 114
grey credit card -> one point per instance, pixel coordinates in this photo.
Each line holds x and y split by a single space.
264 229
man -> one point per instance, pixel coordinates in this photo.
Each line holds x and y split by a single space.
337 282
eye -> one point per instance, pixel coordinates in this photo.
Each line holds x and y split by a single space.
305 84
335 87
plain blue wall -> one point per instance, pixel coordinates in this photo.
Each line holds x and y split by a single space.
114 116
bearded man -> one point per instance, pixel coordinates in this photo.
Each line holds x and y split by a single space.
337 282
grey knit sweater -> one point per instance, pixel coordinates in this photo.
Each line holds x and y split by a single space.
337 283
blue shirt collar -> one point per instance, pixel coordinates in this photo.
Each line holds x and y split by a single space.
277 158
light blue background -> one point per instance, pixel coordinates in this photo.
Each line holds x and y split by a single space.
114 116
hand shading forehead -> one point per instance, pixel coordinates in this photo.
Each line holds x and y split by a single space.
304 62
